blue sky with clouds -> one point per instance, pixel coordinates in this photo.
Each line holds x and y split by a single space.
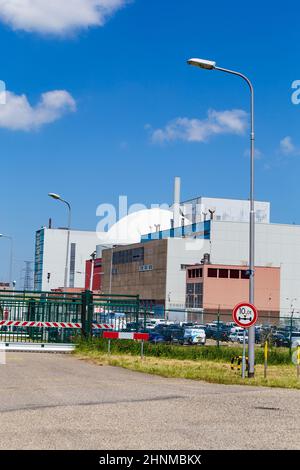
101 103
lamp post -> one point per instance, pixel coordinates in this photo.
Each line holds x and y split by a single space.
93 256
211 65
58 198
10 257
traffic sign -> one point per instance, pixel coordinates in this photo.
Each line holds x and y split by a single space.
244 315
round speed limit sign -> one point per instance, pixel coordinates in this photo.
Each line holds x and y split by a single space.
244 315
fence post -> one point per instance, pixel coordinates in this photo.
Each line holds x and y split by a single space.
298 362
31 310
291 334
218 328
87 313
142 349
266 359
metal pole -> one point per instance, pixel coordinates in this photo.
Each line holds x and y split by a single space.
251 335
111 268
291 332
93 256
68 243
142 349
218 328
11 262
244 355
298 362
10 274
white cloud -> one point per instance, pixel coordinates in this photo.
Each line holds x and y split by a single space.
19 114
57 17
197 130
287 146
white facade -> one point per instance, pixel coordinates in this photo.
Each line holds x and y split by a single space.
227 210
276 245
181 252
50 257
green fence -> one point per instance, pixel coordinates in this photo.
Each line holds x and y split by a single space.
83 310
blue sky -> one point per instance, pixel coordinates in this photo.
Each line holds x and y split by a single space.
123 80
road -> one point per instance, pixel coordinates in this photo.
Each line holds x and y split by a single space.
55 401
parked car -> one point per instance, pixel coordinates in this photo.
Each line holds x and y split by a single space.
194 336
155 337
154 322
238 337
280 339
295 339
177 335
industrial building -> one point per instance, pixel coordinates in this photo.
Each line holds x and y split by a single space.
217 288
50 257
226 242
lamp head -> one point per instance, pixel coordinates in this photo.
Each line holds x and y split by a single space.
54 196
202 63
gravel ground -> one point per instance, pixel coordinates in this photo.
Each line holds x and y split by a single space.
55 401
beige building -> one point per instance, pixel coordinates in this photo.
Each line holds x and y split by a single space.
155 270
137 269
215 287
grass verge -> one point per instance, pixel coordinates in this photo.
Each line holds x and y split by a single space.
283 375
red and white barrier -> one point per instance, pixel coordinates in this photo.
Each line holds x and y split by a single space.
46 324
125 335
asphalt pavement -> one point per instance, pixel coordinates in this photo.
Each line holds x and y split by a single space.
55 401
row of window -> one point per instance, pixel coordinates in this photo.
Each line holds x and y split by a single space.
194 288
219 273
194 301
128 256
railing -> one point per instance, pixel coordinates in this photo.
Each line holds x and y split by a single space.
60 317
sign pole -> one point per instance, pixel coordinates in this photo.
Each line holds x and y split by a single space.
245 315
142 349
244 355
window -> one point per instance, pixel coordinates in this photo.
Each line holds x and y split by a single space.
212 272
234 274
128 256
190 301
223 273
198 288
245 274
194 295
190 288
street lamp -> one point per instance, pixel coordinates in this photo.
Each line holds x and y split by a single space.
93 257
58 198
11 257
211 65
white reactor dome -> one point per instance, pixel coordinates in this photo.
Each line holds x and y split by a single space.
129 229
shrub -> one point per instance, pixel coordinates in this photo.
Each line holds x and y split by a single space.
170 351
